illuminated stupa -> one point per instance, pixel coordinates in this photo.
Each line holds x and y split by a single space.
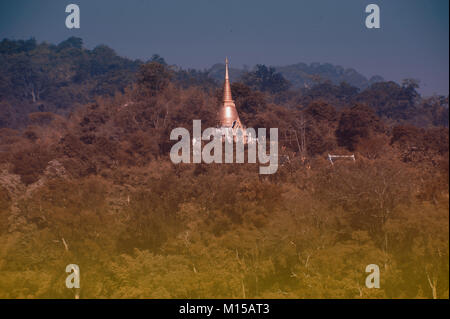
228 118
228 115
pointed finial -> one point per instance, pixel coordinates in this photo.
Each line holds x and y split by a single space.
226 69
227 88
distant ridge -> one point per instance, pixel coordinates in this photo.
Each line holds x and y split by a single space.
305 75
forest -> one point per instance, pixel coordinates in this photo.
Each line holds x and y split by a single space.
86 179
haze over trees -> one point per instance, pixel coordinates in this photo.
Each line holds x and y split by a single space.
85 178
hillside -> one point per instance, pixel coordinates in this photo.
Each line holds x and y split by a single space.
302 75
86 178
42 77
46 77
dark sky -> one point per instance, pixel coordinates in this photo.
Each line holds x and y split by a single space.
412 42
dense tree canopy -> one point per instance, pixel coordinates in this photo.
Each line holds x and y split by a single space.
266 79
95 186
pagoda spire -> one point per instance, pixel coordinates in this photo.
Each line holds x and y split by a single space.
227 88
228 116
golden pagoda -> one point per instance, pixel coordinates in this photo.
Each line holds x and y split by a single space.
228 116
